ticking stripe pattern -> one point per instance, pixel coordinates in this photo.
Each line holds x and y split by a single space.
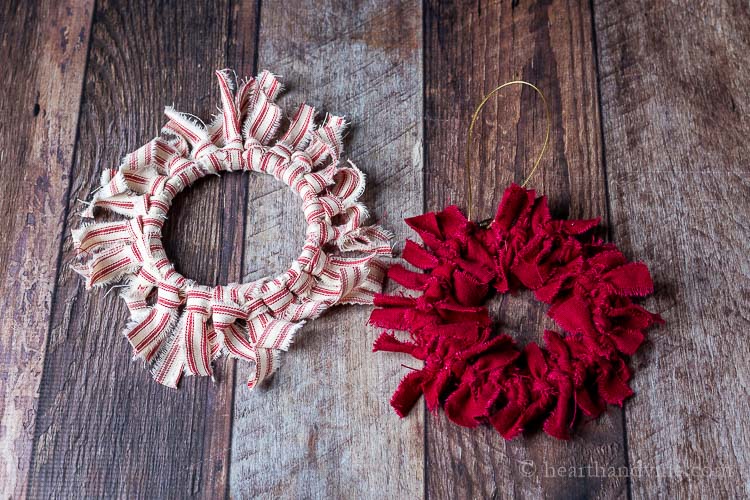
178 326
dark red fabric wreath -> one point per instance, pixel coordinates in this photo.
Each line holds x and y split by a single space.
482 377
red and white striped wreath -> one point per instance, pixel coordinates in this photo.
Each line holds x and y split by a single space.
179 326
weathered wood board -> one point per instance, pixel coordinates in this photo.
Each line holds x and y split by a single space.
471 49
103 427
43 48
323 427
674 106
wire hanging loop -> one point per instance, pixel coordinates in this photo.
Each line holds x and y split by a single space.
471 131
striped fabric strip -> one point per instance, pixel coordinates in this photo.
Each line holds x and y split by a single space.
147 334
95 236
109 265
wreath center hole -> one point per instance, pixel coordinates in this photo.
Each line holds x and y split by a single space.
522 316
204 236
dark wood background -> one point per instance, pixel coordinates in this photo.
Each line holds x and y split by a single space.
650 104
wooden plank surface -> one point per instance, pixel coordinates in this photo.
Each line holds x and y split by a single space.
675 113
665 165
43 48
471 48
104 427
323 427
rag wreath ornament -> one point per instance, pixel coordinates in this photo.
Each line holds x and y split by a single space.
179 326
481 377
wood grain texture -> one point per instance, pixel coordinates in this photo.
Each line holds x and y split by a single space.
43 48
104 428
471 48
676 127
665 166
323 427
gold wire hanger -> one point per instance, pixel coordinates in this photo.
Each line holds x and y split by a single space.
471 130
